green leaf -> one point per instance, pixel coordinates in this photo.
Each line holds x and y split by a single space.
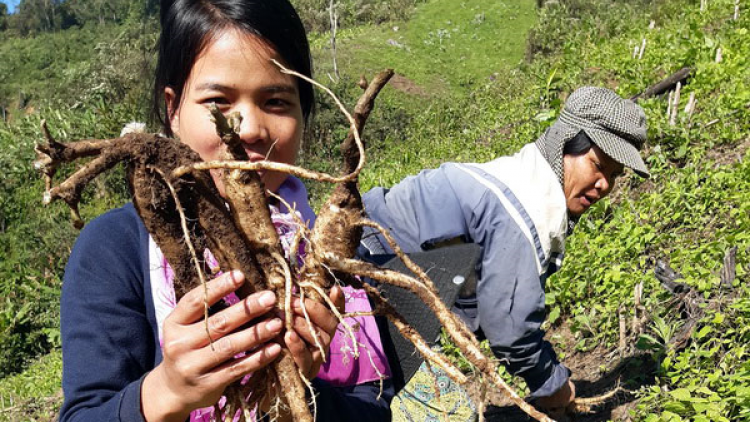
545 116
703 332
554 315
682 394
681 152
675 407
701 407
647 342
705 390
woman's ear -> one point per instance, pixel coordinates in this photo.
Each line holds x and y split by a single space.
173 115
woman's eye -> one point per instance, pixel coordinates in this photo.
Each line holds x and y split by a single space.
277 102
216 100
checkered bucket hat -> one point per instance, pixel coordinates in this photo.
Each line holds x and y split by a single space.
615 125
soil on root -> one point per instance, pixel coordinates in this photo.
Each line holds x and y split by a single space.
595 373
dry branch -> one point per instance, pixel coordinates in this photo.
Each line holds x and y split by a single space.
664 85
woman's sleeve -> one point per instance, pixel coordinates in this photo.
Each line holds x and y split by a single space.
510 299
420 212
107 341
510 295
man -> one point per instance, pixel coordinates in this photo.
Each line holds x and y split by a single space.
519 209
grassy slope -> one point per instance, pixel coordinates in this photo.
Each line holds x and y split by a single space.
33 66
35 393
446 46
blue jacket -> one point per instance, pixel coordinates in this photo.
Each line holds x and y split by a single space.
515 209
110 338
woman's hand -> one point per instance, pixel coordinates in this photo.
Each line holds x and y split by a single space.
558 403
301 342
194 373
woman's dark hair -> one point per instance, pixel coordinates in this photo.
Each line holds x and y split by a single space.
188 26
577 145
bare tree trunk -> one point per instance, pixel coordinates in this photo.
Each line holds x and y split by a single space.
101 13
334 26
46 6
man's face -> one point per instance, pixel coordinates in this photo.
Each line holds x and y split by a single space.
588 177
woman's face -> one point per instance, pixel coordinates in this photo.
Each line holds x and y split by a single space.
588 178
234 71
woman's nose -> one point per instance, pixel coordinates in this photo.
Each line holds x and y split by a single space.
602 184
252 128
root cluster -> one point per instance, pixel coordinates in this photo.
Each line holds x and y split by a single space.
182 209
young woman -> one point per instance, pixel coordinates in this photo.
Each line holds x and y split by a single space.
130 352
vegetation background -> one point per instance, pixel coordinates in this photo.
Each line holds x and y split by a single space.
476 79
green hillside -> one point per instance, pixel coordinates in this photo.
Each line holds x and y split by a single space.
477 79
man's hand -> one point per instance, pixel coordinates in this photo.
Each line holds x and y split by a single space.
558 403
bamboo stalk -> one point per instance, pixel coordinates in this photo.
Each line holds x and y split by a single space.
690 106
675 105
643 48
669 105
736 9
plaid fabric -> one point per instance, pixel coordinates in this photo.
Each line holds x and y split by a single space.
615 125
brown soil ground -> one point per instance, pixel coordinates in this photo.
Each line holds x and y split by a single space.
404 84
729 154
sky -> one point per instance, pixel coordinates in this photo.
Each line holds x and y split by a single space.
11 4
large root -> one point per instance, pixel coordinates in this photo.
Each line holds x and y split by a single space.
181 207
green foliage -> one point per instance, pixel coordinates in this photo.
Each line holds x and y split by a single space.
61 67
34 394
564 23
34 17
328 127
3 16
35 241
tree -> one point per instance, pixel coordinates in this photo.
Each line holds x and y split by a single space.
3 16
99 11
34 16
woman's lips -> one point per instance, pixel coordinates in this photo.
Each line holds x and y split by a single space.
254 158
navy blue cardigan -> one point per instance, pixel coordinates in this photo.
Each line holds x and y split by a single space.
110 339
